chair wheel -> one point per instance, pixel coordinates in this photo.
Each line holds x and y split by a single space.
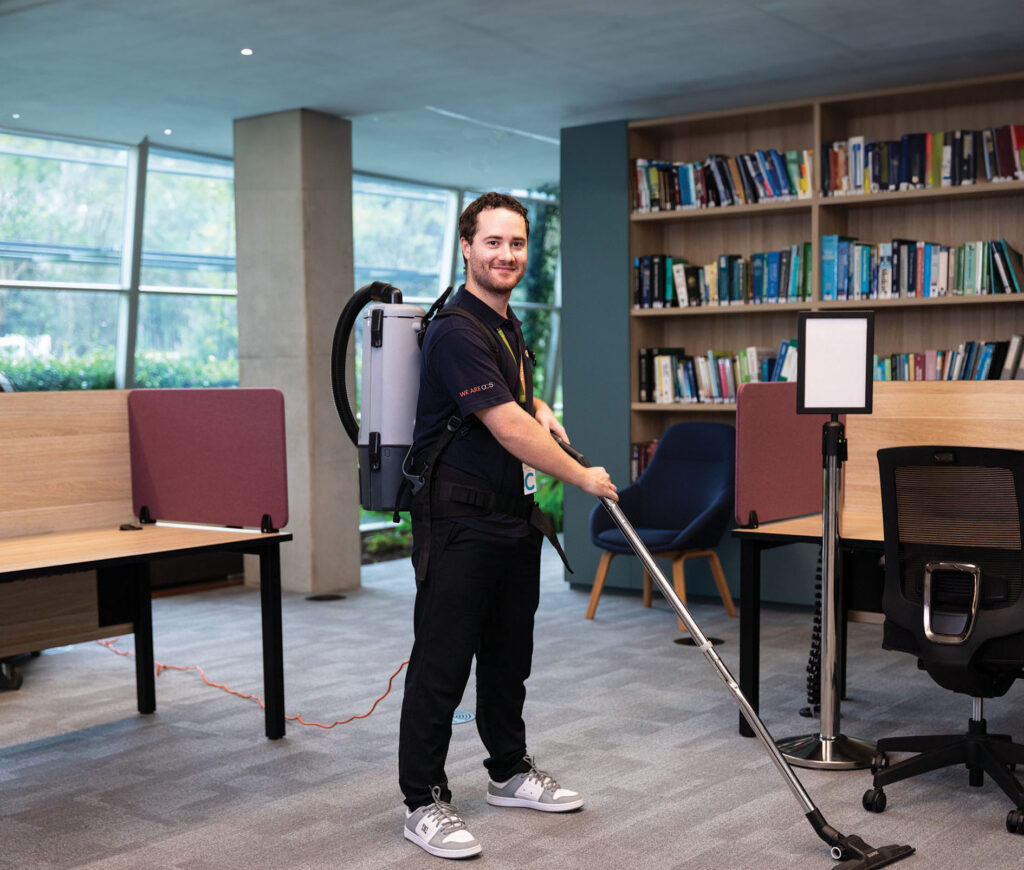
874 801
10 677
1015 822
879 762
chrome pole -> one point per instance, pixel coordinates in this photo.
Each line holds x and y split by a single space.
829 749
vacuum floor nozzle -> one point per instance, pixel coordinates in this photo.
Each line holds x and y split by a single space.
854 854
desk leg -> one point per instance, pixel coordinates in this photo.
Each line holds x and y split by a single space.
145 681
750 627
273 654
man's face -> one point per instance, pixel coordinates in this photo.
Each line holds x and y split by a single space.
496 258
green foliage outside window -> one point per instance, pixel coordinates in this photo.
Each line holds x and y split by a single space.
95 371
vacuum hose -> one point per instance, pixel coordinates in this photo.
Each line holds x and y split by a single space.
378 291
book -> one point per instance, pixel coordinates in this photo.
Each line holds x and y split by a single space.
855 149
829 265
738 187
757 278
1015 264
885 270
692 277
680 293
646 285
772 268
778 163
657 281
1001 282
843 267
1005 164
645 374
935 143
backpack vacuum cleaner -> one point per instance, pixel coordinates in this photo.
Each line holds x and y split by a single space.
392 335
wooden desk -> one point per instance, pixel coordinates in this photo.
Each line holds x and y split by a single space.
974 413
72 464
122 595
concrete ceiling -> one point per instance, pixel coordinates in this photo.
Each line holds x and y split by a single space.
461 92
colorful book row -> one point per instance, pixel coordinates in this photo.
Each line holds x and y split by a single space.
666 281
670 375
969 361
922 160
722 180
909 268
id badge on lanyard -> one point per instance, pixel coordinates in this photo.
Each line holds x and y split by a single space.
529 480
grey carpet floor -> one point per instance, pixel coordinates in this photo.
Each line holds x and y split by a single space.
642 726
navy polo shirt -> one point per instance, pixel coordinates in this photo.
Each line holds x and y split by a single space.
460 375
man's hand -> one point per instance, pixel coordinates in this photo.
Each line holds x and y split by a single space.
598 483
543 414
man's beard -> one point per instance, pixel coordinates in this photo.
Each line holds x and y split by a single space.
482 277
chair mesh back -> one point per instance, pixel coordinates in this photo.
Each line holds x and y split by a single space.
962 513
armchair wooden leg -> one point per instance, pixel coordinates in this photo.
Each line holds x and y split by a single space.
602 572
679 580
723 587
648 594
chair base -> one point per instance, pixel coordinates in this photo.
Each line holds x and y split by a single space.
678 558
980 751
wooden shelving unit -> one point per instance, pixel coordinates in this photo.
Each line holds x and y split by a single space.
951 215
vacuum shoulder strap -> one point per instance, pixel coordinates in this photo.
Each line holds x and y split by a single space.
455 311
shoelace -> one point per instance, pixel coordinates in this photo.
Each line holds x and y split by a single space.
444 813
541 777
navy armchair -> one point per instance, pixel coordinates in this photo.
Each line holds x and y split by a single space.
681 506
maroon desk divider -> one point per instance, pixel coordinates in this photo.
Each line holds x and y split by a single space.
211 456
778 455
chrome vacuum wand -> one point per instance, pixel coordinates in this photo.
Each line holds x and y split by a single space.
851 850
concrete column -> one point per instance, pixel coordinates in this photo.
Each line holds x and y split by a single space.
293 217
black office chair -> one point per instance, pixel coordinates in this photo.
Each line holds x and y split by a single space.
954 577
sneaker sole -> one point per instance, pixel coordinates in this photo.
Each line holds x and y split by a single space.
465 852
499 801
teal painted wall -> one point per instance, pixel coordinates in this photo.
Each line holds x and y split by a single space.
595 365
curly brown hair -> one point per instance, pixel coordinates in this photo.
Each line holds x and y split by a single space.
467 220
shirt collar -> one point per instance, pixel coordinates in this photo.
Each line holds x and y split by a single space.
482 310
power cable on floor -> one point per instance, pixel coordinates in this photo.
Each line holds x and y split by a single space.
160 668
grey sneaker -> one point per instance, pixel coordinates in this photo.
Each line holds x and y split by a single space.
535 789
438 828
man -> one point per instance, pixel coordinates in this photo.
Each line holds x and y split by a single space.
476 538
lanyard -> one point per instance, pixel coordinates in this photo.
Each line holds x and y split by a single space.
519 362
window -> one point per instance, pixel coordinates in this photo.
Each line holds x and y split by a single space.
188 339
189 235
68 308
62 211
401 234
58 339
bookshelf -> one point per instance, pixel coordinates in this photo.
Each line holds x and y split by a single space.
947 215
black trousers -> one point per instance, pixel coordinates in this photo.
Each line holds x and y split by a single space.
479 599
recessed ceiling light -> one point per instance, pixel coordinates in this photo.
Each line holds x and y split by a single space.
16 115
168 131
246 51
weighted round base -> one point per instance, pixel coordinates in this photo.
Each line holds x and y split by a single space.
839 753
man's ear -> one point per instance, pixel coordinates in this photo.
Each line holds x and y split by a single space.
465 245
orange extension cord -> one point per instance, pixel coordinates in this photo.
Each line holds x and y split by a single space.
160 668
